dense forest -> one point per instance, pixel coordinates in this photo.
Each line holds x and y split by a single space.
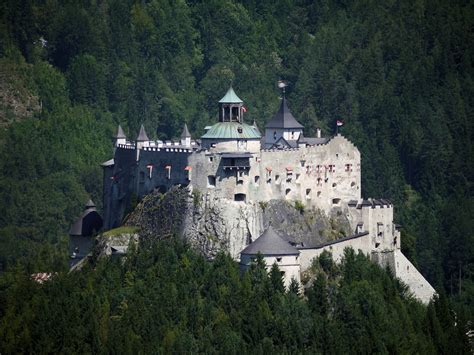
398 73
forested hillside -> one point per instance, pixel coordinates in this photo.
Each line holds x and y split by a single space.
399 73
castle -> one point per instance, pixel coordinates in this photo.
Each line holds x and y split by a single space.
233 162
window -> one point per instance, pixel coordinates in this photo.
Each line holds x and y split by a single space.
287 192
353 184
240 197
240 182
335 201
211 159
334 185
349 167
308 191
277 178
274 135
279 259
211 181
256 179
319 193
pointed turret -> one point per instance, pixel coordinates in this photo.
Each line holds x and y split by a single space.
185 136
142 136
282 125
119 138
185 133
120 134
284 119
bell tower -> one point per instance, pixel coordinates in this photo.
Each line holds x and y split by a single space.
231 107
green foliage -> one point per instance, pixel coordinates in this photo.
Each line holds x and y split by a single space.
299 206
166 298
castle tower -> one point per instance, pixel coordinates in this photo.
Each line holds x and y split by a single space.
185 136
119 137
282 125
142 141
231 107
274 249
231 133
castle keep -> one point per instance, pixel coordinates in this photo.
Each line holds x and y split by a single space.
234 164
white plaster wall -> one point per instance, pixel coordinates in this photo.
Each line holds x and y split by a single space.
407 272
289 264
337 249
375 220
232 145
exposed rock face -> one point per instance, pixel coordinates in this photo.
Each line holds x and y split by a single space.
211 225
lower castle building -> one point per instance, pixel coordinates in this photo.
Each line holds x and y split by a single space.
233 161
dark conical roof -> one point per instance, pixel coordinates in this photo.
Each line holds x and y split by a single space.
185 133
90 204
142 136
120 133
283 118
270 243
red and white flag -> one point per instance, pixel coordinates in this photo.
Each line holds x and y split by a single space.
339 123
244 109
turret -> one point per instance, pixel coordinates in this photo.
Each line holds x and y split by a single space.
283 125
231 107
119 137
185 136
142 140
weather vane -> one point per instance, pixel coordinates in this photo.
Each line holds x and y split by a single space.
282 84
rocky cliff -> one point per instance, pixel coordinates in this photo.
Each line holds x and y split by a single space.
211 225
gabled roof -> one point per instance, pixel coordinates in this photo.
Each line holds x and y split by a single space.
120 133
185 133
270 243
283 118
232 130
142 136
230 98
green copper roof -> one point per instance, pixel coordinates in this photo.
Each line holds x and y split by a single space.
230 130
230 98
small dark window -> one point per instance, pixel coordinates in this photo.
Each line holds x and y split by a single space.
257 178
335 201
279 259
287 191
240 197
308 191
334 185
353 184
211 180
211 159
